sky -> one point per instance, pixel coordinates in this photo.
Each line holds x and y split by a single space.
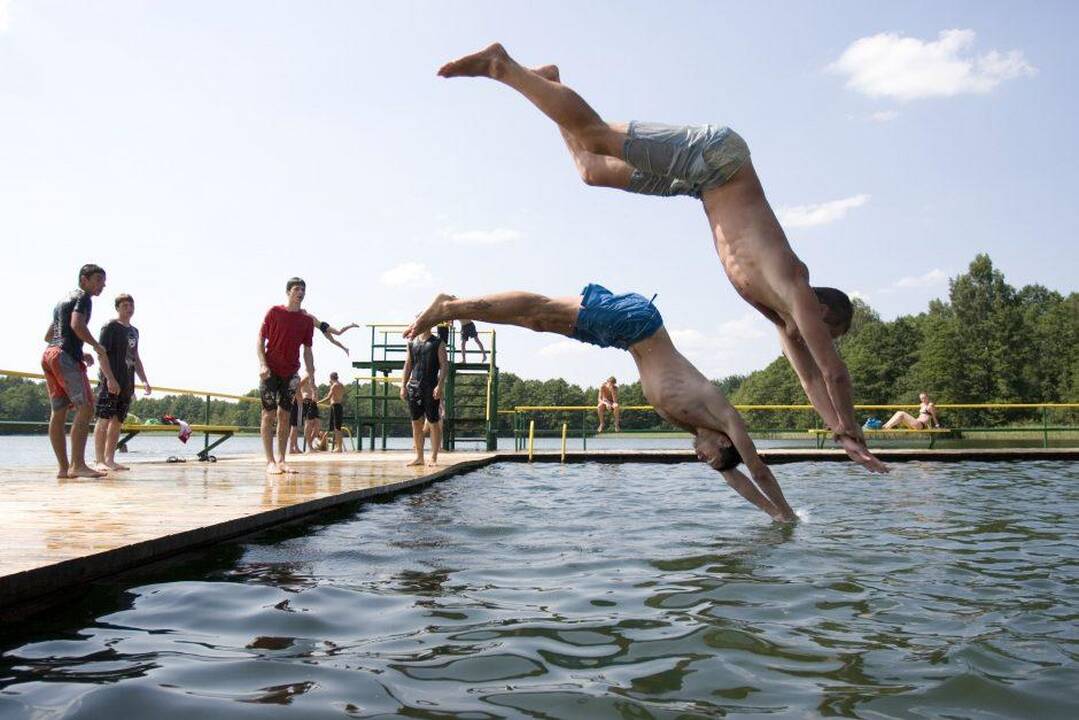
204 152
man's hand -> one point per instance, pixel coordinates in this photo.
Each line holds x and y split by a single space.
264 372
114 387
437 392
88 359
147 389
403 395
857 451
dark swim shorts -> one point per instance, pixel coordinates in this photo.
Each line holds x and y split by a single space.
619 321
468 331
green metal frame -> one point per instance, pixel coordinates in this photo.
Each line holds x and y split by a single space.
387 356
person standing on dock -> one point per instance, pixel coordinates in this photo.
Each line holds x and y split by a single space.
64 365
608 400
468 332
335 397
285 328
426 367
121 342
680 393
709 163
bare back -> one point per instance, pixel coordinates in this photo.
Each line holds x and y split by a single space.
752 245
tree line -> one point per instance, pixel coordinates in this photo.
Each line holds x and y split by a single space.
987 343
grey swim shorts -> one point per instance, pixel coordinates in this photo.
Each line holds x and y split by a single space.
682 159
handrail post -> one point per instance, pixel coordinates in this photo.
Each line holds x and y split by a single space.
1045 427
565 428
584 430
206 435
531 438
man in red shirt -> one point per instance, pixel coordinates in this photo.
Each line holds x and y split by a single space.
284 329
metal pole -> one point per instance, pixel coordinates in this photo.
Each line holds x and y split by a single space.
1045 427
565 428
531 438
206 436
584 431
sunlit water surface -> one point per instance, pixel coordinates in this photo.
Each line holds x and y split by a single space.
594 591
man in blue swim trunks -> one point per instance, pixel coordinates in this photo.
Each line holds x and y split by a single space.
710 163
678 391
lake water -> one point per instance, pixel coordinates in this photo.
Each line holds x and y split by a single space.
600 591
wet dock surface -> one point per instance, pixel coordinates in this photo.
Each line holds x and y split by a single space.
60 533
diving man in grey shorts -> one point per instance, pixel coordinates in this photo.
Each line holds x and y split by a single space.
677 390
710 163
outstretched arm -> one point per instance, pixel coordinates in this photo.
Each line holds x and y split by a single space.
810 377
833 371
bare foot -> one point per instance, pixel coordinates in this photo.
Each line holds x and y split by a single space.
433 462
113 465
861 455
489 62
599 429
273 469
429 317
548 72
285 467
415 463
83 471
63 472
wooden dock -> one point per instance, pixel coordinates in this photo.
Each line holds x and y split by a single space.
60 534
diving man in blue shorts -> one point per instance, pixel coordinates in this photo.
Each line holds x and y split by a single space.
710 163
678 391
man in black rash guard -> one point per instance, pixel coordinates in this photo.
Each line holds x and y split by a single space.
425 371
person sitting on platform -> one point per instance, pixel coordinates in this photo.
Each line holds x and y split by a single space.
678 391
926 420
608 400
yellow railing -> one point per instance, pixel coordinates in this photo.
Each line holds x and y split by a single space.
156 388
745 408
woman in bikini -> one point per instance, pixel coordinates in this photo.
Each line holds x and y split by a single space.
927 416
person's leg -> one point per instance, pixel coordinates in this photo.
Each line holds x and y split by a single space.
464 342
558 102
266 430
417 442
436 442
58 438
282 436
600 412
101 437
617 417
112 437
523 309
900 418
482 348
80 429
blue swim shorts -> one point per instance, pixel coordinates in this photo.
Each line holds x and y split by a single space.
619 321
681 159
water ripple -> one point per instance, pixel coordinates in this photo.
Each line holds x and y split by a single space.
605 591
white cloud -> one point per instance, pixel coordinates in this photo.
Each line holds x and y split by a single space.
888 65
858 294
564 348
734 346
802 216
884 116
497 236
5 15
929 279
410 273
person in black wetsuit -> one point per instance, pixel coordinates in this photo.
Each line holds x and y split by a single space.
425 371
